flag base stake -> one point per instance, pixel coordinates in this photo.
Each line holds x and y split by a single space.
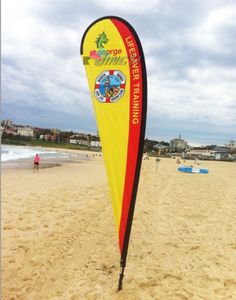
120 284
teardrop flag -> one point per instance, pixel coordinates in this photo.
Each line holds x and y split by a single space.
114 62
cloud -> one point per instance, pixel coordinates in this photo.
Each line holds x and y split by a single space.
190 56
131 6
41 64
192 73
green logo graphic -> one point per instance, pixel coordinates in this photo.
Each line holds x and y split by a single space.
102 39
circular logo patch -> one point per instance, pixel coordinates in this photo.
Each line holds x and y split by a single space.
110 86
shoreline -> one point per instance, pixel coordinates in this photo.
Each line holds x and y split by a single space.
55 146
94 153
75 156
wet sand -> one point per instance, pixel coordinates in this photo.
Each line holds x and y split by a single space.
59 239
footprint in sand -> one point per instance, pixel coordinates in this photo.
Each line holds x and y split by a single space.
168 275
25 228
149 283
220 292
7 227
180 297
194 247
230 282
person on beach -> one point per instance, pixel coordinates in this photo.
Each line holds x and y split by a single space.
36 162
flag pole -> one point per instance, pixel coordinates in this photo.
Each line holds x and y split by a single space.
129 222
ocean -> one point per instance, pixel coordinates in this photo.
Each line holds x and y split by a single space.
13 153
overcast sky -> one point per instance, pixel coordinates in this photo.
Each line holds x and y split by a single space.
190 52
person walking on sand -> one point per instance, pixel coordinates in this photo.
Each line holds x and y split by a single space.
36 162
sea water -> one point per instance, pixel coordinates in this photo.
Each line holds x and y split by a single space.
9 153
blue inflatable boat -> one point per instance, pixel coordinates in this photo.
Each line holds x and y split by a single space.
192 170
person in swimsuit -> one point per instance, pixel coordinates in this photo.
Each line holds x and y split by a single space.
36 162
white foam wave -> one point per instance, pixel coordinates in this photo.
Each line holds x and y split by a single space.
9 153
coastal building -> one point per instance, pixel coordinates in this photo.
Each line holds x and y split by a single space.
79 142
222 152
55 130
95 144
178 145
7 123
231 144
201 152
212 152
222 149
160 149
54 138
11 130
25 131
47 137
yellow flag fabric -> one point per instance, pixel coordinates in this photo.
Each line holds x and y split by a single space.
115 67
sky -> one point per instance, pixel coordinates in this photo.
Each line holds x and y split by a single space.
190 53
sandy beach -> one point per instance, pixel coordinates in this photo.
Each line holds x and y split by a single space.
59 240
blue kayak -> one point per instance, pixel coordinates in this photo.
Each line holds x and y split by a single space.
192 170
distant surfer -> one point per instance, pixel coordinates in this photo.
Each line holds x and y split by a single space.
36 162
157 161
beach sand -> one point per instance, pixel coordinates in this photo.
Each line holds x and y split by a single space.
59 240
